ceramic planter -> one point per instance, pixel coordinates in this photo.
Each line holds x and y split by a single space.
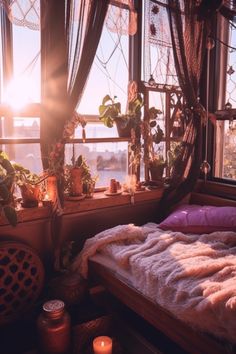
156 172
76 184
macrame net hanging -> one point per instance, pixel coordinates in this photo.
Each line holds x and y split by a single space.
122 19
158 53
23 12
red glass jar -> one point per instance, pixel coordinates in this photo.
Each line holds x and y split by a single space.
54 328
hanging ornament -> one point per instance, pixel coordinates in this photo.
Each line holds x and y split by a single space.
151 81
205 166
210 43
155 9
228 106
230 71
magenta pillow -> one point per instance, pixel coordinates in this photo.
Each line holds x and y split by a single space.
200 219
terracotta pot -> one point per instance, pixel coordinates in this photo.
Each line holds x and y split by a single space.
156 172
76 184
70 287
30 195
52 188
88 189
124 131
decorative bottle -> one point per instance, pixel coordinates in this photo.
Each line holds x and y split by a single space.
54 328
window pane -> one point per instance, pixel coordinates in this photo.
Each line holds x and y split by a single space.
231 69
226 156
27 155
20 127
225 138
157 52
97 130
106 160
158 100
24 87
109 73
26 62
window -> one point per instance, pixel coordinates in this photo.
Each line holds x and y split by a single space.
20 100
161 88
225 132
20 94
105 152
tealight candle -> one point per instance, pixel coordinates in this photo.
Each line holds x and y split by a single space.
46 201
102 345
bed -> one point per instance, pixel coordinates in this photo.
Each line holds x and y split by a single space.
182 283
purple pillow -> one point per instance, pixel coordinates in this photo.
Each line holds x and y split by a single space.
199 219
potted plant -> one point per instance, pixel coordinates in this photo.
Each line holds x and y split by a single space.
7 175
78 178
67 284
156 167
28 183
110 114
153 135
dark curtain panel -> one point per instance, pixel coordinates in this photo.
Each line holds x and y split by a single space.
188 36
70 37
54 79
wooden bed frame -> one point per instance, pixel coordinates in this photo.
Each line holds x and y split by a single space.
189 339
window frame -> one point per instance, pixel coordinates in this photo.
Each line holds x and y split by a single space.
217 98
36 109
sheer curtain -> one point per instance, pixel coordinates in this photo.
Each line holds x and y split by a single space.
69 44
84 24
189 37
78 35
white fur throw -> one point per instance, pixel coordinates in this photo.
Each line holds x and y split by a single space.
192 276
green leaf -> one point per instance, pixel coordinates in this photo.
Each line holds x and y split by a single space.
10 214
117 107
79 161
7 166
106 99
103 110
108 122
4 192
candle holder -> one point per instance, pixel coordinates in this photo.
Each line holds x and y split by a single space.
46 201
102 345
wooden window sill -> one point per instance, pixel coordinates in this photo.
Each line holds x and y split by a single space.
99 201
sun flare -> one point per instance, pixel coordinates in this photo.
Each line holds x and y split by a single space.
19 92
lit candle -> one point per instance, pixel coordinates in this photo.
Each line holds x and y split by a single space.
102 345
46 197
46 201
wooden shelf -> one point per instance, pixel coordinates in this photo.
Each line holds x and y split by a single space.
99 201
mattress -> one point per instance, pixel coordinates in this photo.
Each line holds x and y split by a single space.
193 276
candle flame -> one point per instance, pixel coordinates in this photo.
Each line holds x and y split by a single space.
102 344
46 197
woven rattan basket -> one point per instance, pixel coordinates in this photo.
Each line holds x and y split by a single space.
21 280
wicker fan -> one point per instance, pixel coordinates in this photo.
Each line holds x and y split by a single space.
21 280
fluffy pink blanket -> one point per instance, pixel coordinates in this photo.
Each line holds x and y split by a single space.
192 276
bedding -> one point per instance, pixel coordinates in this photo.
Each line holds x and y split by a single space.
201 219
192 276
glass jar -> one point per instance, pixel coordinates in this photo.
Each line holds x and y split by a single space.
54 328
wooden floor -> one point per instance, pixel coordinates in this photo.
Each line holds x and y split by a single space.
99 314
